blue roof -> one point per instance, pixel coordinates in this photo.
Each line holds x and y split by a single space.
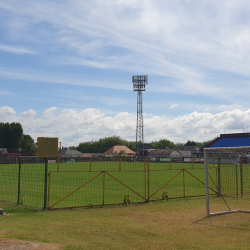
232 142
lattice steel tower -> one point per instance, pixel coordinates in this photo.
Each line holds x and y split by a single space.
139 85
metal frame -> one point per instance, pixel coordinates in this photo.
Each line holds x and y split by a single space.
220 149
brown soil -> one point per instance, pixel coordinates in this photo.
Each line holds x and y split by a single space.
6 244
17 244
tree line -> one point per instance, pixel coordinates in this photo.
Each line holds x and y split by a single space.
12 138
104 144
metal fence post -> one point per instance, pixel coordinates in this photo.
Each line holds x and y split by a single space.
237 181
45 183
145 179
58 162
103 190
219 176
120 164
193 162
19 180
184 188
241 179
170 163
206 181
90 163
148 178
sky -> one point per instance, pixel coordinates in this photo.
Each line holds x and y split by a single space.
66 68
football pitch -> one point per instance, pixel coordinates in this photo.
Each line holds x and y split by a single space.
101 183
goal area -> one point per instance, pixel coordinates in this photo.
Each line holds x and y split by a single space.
227 178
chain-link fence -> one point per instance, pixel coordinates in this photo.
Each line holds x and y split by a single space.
78 182
231 181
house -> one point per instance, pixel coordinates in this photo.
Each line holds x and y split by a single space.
87 155
175 153
70 152
164 153
117 149
148 146
158 153
3 152
185 153
193 149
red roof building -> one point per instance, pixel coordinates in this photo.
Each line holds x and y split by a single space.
87 155
117 149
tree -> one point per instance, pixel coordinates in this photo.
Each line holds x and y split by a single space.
17 134
12 137
1 135
84 147
102 145
190 143
131 145
179 144
163 143
27 145
121 153
10 134
202 144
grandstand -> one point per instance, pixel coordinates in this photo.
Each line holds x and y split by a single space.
229 140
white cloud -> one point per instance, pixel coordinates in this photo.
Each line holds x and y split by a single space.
34 76
230 107
3 92
156 37
173 106
73 127
6 114
28 114
15 50
189 48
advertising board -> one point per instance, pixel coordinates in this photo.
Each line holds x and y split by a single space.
47 147
165 159
51 161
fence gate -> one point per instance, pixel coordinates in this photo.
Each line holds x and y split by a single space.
95 188
178 183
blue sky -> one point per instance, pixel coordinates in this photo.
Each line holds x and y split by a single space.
66 68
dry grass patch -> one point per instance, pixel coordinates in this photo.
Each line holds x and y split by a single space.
162 225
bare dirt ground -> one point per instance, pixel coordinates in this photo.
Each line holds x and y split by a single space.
23 245
6 244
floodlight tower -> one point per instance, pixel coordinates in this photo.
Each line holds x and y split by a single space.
139 85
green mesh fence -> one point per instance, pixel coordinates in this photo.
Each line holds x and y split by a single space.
9 182
32 185
79 182
22 183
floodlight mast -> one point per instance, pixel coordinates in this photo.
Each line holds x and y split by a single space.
139 85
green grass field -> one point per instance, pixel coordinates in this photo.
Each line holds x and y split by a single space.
106 184
174 225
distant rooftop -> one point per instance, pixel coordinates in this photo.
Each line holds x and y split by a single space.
68 151
117 149
231 140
